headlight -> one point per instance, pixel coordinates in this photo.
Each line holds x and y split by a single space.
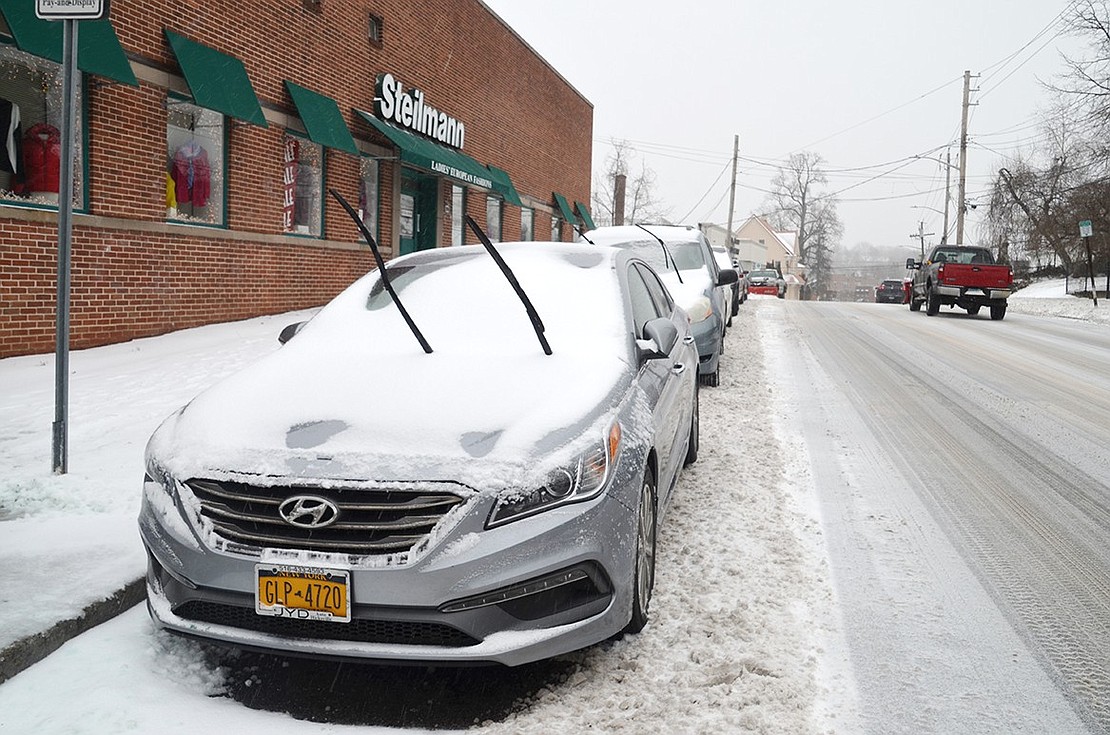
699 310
157 477
581 479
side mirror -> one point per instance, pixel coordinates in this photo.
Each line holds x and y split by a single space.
290 331
727 276
660 336
912 264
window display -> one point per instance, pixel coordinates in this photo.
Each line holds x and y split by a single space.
493 218
368 194
194 170
458 210
302 178
30 136
526 233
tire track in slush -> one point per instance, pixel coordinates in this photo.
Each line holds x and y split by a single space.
1051 584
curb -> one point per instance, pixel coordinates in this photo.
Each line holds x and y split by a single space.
28 651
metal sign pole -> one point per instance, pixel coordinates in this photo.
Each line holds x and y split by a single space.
1085 231
65 235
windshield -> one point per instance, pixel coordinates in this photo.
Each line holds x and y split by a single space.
763 274
686 255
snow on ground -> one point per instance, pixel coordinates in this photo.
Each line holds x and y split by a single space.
744 636
1048 298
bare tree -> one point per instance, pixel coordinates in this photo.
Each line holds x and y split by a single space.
796 203
641 200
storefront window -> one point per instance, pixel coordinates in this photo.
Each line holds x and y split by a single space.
458 210
526 232
493 218
195 163
302 176
30 125
368 194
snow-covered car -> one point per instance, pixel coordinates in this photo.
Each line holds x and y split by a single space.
684 261
767 281
491 498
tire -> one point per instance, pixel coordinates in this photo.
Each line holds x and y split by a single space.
998 311
694 445
710 380
973 310
915 305
932 307
643 575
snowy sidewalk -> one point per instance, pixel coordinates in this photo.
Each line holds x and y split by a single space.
70 553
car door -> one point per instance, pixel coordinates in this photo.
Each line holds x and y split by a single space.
672 378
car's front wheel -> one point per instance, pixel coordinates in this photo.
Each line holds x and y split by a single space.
643 578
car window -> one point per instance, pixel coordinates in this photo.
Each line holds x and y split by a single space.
643 305
664 305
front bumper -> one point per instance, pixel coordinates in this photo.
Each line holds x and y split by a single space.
568 573
707 338
768 289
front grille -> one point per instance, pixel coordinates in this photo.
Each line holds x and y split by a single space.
360 630
370 520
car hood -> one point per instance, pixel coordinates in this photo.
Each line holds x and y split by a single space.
354 396
321 411
695 284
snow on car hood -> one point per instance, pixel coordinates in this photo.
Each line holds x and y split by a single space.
354 395
695 284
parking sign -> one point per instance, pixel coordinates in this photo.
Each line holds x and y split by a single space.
71 9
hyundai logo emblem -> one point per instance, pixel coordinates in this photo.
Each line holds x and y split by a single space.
308 511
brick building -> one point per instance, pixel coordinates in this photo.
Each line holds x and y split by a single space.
209 133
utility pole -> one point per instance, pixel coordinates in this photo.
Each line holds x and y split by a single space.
961 204
947 193
732 191
618 199
921 234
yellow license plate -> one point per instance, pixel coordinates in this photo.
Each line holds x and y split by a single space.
304 593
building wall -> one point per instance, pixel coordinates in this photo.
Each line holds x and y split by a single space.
135 274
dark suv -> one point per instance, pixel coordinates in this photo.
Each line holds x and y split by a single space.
889 292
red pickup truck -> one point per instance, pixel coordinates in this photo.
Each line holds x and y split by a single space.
963 276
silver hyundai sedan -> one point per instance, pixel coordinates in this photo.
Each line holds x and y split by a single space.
453 462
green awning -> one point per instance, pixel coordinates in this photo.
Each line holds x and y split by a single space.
322 119
217 81
568 213
98 48
584 213
503 185
423 153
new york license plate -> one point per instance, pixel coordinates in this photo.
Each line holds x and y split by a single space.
305 593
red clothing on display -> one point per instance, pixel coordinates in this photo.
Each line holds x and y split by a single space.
192 176
42 158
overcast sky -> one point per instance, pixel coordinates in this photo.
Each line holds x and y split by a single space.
867 84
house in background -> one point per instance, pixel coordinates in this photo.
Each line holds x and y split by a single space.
760 244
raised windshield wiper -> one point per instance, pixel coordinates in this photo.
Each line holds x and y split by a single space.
582 234
532 315
666 251
382 272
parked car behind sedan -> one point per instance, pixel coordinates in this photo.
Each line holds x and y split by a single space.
767 281
724 262
353 495
684 261
890 291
